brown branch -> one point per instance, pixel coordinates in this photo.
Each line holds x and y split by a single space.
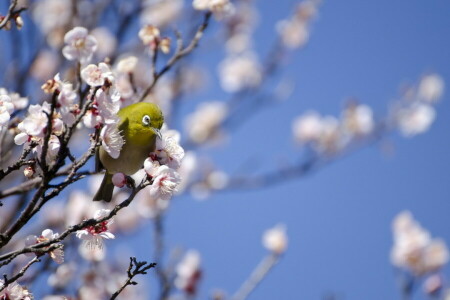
140 267
12 13
19 163
179 53
18 275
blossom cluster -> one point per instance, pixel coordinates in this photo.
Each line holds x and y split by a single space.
328 134
414 249
14 291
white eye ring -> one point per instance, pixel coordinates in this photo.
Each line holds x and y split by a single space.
146 120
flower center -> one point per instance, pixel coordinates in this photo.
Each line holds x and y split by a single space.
99 228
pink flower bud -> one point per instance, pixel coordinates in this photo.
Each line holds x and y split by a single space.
119 180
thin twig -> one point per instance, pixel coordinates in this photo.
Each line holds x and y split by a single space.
135 268
179 53
256 277
20 274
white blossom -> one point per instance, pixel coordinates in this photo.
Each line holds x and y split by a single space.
57 254
106 42
127 64
112 140
308 127
220 8
149 34
6 109
275 239
414 249
294 33
188 272
165 183
358 119
240 72
96 75
18 101
14 292
80 45
415 119
168 152
94 234
431 88
160 12
205 121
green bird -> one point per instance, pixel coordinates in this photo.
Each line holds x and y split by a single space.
140 125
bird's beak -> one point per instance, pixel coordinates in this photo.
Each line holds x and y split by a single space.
158 133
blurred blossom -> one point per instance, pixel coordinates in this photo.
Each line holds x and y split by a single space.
358 119
294 32
94 235
149 207
18 101
239 43
220 8
433 284
52 14
127 64
14 292
188 272
160 12
6 109
80 45
307 128
204 123
96 75
200 191
80 205
240 72
62 276
187 170
431 88
104 110
127 219
45 65
106 42
275 239
415 119
413 249
217 180
90 293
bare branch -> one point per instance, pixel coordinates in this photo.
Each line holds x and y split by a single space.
12 13
256 277
20 274
135 268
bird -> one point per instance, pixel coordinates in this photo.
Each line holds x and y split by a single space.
140 126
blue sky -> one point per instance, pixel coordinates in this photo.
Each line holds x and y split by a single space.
338 218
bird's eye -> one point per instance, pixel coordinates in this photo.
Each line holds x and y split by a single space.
146 120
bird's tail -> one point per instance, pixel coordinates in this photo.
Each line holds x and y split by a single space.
106 189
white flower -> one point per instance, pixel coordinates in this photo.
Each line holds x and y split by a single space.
160 12
294 33
96 75
149 35
58 254
53 147
80 45
6 109
205 121
358 119
220 8
127 65
307 128
108 106
275 239
119 180
188 272
415 119
51 15
106 41
18 101
431 88
414 249
168 152
239 72
67 96
14 292
94 235
165 182
151 166
112 140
